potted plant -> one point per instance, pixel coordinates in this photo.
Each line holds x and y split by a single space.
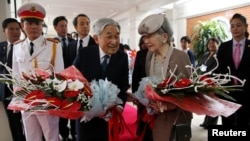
202 32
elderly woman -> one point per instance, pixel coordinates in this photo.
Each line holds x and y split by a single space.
159 60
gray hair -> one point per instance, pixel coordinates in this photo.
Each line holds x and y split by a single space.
100 24
166 28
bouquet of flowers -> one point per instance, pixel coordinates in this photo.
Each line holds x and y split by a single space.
66 94
196 94
104 98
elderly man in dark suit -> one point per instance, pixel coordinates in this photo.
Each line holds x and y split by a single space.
89 60
12 30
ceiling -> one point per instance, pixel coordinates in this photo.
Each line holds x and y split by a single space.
95 9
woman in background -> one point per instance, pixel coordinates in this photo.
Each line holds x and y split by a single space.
206 64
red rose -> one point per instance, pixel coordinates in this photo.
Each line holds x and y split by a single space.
184 82
42 73
207 80
165 83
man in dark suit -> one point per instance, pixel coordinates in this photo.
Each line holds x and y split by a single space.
235 55
88 61
12 30
185 42
82 25
60 24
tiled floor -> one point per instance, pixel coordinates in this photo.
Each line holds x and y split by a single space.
199 134
4 127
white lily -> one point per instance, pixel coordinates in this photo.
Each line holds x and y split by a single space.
58 85
48 81
75 85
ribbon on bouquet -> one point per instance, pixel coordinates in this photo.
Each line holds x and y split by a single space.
116 125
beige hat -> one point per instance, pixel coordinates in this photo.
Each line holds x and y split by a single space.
31 10
151 24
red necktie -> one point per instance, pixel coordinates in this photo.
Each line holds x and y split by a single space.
236 55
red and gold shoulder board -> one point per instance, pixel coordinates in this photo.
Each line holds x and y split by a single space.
54 40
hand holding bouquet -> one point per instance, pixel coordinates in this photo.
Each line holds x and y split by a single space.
195 94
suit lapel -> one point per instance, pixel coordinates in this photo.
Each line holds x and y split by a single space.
245 54
3 49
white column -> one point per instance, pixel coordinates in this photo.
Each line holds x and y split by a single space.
4 130
135 18
4 13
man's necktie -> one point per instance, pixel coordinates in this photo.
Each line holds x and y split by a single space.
80 42
64 45
65 52
236 55
105 62
9 59
31 48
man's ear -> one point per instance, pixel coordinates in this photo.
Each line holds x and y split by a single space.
96 39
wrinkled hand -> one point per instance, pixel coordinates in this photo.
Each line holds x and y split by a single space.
107 116
132 98
119 108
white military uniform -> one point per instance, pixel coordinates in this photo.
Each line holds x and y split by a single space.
36 124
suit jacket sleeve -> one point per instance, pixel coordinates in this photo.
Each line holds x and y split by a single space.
191 57
139 69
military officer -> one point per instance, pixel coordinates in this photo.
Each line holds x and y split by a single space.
33 52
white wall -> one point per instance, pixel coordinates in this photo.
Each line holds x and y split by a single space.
178 14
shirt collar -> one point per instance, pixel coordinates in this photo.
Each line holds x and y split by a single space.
85 40
102 54
242 42
37 41
60 38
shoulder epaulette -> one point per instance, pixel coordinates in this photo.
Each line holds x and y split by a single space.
18 41
55 40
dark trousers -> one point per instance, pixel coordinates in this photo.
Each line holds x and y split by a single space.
65 130
209 121
142 127
93 130
241 117
15 123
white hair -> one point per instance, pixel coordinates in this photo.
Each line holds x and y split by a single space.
100 24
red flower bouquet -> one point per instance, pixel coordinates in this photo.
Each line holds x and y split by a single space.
196 94
66 94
